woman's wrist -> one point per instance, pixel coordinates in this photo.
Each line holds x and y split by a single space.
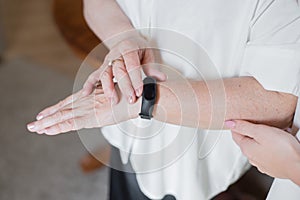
164 97
167 106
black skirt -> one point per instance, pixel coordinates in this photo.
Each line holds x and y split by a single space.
123 183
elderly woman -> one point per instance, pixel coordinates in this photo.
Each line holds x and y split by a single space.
253 45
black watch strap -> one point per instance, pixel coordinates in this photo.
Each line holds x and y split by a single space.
148 97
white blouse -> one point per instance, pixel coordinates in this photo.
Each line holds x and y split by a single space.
258 38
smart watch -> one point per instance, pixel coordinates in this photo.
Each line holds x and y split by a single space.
148 97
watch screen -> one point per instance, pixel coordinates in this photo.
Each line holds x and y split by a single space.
149 91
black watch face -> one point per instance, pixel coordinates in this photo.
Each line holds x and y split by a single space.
149 91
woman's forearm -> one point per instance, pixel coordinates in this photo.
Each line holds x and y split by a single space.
105 18
188 103
197 105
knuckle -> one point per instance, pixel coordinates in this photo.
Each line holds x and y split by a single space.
99 104
136 78
127 91
137 84
100 100
59 115
119 72
65 113
59 127
130 92
133 67
69 123
97 108
108 92
125 86
61 103
105 76
137 87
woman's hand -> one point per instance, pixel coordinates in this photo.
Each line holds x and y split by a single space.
78 111
272 150
126 58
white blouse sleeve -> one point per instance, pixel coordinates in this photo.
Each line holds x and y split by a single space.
272 54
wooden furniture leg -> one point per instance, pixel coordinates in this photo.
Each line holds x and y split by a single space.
93 161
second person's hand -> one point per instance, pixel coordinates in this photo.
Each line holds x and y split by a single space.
272 150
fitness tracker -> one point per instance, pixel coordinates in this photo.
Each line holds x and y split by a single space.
148 97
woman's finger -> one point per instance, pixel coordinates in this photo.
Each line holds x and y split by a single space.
124 83
52 109
48 121
94 77
64 126
237 137
108 85
133 67
249 146
246 128
73 124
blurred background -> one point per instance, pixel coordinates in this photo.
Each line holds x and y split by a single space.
42 45
37 68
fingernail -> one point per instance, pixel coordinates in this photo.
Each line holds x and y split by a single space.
230 124
39 117
30 127
113 101
130 99
138 92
